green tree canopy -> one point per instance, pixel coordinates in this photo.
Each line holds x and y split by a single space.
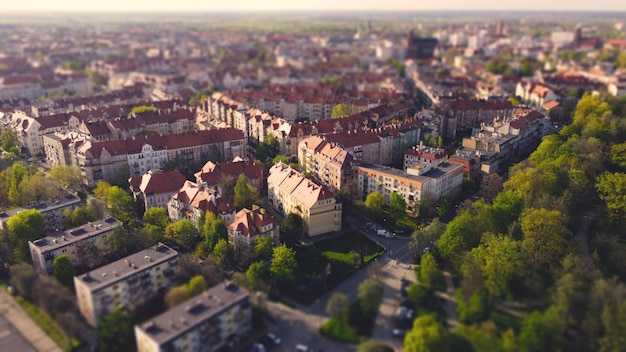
430 274
612 190
397 202
284 264
375 201
427 335
340 110
369 295
27 225
291 229
337 305
263 247
221 252
184 232
142 108
245 194
426 237
69 177
9 141
115 332
157 217
500 259
64 270
546 237
258 275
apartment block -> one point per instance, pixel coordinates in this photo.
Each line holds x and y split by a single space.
214 320
75 243
290 192
127 283
432 181
326 162
52 211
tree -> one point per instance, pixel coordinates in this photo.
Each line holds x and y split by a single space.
27 225
474 310
36 188
245 194
284 263
291 229
142 108
427 335
69 177
115 332
500 259
221 252
9 141
121 176
397 203
258 275
426 237
340 110
157 217
196 286
612 190
491 186
430 274
64 270
546 237
214 229
184 232
337 305
263 247
369 295
18 173
374 346
375 201
421 295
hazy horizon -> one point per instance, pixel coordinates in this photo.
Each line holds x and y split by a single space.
71 6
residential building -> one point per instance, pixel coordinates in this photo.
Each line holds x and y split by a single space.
290 192
430 181
326 162
212 174
249 225
211 321
156 188
127 284
52 211
421 156
193 200
76 243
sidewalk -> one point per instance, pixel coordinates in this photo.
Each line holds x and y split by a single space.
21 321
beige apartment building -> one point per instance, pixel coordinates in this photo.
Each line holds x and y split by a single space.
127 283
214 320
52 211
290 192
76 243
328 163
431 181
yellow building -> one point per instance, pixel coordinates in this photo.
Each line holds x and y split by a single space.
76 243
127 283
290 192
210 321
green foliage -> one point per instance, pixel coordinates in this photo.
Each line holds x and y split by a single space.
370 294
213 230
221 252
427 335
157 217
9 140
340 330
397 65
612 190
18 173
69 177
337 305
335 81
485 337
340 110
397 202
263 247
245 194
142 108
464 232
184 232
115 332
618 155
426 237
64 270
291 229
422 296
119 203
283 264
74 66
546 237
179 294
500 259
27 225
375 201
430 274
258 275
472 310
374 346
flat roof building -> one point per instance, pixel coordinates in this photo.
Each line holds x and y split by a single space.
210 321
52 211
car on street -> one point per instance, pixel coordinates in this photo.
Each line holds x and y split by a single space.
303 348
271 340
257 347
398 332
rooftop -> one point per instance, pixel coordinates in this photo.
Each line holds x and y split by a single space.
68 237
125 267
46 206
189 314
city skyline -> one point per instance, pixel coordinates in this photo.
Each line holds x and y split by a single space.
39 6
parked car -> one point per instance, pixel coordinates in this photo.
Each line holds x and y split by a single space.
303 348
275 340
257 347
398 332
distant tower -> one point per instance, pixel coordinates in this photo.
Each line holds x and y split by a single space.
578 35
369 26
500 29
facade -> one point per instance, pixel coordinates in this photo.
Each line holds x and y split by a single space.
288 191
74 243
52 211
127 283
193 200
156 188
212 173
422 156
326 162
430 181
211 321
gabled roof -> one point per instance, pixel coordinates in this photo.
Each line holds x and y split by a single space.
251 222
154 182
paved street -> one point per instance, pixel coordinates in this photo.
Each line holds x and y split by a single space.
18 332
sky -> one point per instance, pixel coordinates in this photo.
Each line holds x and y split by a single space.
295 5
